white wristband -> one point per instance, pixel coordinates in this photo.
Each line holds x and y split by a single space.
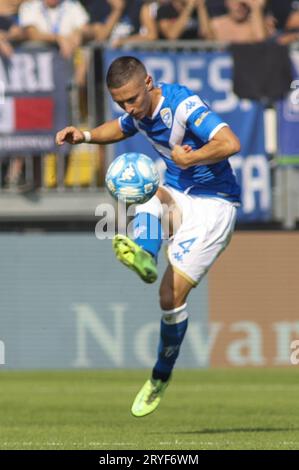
87 136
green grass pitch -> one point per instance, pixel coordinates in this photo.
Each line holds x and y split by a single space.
202 409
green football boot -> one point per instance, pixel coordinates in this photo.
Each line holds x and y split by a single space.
149 397
135 258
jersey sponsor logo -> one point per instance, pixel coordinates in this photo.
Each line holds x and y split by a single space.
201 118
166 116
189 105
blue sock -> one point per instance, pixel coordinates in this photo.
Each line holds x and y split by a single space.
148 232
171 338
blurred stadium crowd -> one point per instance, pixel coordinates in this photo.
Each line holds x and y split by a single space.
70 25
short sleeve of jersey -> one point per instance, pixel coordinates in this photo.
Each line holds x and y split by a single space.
204 123
127 125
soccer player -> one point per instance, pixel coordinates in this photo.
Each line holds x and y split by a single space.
199 183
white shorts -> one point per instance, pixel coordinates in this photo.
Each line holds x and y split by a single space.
205 231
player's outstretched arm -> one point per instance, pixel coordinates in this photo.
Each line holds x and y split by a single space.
107 133
224 144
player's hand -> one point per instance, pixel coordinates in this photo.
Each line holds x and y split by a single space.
71 135
180 155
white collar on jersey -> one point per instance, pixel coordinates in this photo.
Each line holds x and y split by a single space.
158 107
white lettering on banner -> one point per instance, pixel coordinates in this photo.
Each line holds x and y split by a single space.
22 74
291 103
2 353
221 84
7 123
202 342
28 73
89 322
294 359
162 68
255 181
249 350
45 71
185 66
119 345
285 332
15 143
225 85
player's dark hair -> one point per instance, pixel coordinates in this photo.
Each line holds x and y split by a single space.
122 70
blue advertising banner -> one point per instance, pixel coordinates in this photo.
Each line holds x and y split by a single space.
288 119
210 75
33 100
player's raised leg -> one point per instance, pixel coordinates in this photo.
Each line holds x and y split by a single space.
173 294
136 258
141 254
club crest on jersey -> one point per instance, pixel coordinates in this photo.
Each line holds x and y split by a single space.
166 116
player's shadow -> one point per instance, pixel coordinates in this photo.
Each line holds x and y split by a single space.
232 430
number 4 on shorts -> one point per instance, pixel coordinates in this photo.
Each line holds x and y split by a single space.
186 244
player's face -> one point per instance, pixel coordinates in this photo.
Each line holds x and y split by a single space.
135 97
238 10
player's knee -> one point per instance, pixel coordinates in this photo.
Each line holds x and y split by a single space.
166 302
169 298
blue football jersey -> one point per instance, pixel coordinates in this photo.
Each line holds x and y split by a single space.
182 118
